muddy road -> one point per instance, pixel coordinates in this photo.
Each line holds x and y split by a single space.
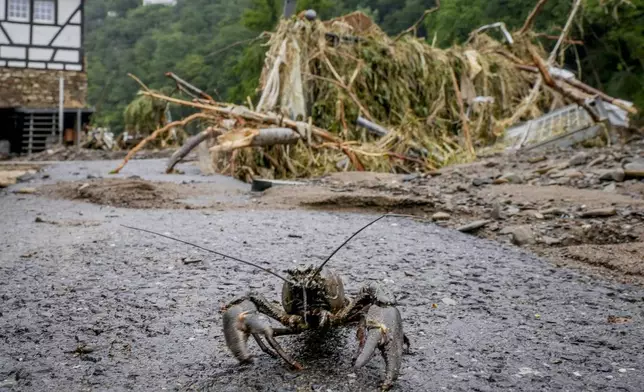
87 305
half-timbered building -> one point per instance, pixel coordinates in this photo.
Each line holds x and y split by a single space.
41 61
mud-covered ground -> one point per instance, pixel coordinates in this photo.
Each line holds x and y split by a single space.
87 154
88 305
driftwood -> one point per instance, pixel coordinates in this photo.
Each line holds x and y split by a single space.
520 111
190 145
381 131
414 27
530 20
183 85
242 112
255 138
155 134
372 127
550 82
571 41
585 88
234 111
461 108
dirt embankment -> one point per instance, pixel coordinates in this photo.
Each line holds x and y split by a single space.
584 208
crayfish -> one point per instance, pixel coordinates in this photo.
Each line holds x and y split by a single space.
313 298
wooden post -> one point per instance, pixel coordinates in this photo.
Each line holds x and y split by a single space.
31 134
61 105
78 129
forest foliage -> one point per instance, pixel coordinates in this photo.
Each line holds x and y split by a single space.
216 44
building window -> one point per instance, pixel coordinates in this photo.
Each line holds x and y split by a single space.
44 11
18 10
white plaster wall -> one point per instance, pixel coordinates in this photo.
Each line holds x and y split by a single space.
65 9
78 17
70 37
13 52
38 54
68 56
19 33
17 64
44 34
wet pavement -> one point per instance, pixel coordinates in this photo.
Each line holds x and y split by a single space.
87 305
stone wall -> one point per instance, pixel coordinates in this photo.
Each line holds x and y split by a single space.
33 88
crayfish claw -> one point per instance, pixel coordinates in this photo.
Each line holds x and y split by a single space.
243 320
382 328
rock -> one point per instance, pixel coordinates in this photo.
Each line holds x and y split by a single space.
546 169
612 175
11 177
470 227
26 191
521 235
441 216
553 211
481 181
578 159
599 213
558 174
513 211
537 159
574 174
550 241
610 187
539 215
512 178
496 211
596 161
448 301
634 169
410 177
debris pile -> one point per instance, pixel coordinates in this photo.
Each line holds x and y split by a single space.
100 139
342 95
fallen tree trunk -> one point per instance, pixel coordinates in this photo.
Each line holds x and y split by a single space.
255 138
190 145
